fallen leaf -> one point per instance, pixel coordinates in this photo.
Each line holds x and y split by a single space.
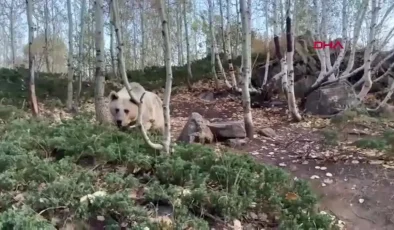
291 196
237 225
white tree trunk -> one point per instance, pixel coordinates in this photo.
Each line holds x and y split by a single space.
368 53
70 58
247 65
32 87
46 46
142 27
221 69
283 73
167 92
99 102
212 33
229 52
267 60
112 44
290 68
189 64
80 51
356 34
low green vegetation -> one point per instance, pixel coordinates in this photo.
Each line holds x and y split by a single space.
47 172
383 142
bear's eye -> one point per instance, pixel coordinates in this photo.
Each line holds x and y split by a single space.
126 111
116 110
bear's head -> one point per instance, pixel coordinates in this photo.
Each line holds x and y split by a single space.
124 110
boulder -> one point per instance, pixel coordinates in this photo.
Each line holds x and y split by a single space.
331 99
267 132
234 143
303 84
228 130
196 130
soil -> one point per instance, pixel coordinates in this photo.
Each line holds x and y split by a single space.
355 191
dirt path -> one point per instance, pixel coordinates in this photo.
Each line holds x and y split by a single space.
355 191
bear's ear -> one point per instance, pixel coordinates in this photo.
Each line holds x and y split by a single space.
113 96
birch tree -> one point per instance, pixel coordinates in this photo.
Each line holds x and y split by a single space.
99 86
32 86
212 33
142 27
46 47
267 60
112 43
247 65
368 52
189 64
70 58
167 92
81 51
228 52
290 67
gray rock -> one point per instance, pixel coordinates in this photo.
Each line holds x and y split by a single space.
196 130
233 143
228 129
331 99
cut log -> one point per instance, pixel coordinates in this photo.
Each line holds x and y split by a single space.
196 130
228 130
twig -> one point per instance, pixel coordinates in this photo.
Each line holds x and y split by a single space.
214 218
51 208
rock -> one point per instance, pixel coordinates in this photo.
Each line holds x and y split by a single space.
268 132
196 130
207 96
233 143
331 99
386 111
227 130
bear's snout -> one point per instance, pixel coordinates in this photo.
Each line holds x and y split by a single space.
119 123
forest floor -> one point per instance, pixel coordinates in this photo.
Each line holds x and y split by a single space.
347 162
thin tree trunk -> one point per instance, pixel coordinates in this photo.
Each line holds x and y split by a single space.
167 92
247 65
222 30
80 52
189 64
212 33
356 34
142 19
112 44
235 50
267 60
46 46
70 57
368 53
228 53
32 86
221 69
290 68
99 102
122 69
12 35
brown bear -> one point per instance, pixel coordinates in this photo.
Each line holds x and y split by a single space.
124 110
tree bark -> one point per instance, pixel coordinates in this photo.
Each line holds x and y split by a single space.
290 68
80 52
247 65
228 52
189 64
368 53
70 58
46 46
112 44
99 102
167 92
32 86
142 19
212 33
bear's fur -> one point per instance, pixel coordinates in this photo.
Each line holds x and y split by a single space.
124 110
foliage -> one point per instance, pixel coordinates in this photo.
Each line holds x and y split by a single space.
48 169
383 142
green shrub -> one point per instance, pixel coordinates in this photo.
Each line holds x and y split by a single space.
44 163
